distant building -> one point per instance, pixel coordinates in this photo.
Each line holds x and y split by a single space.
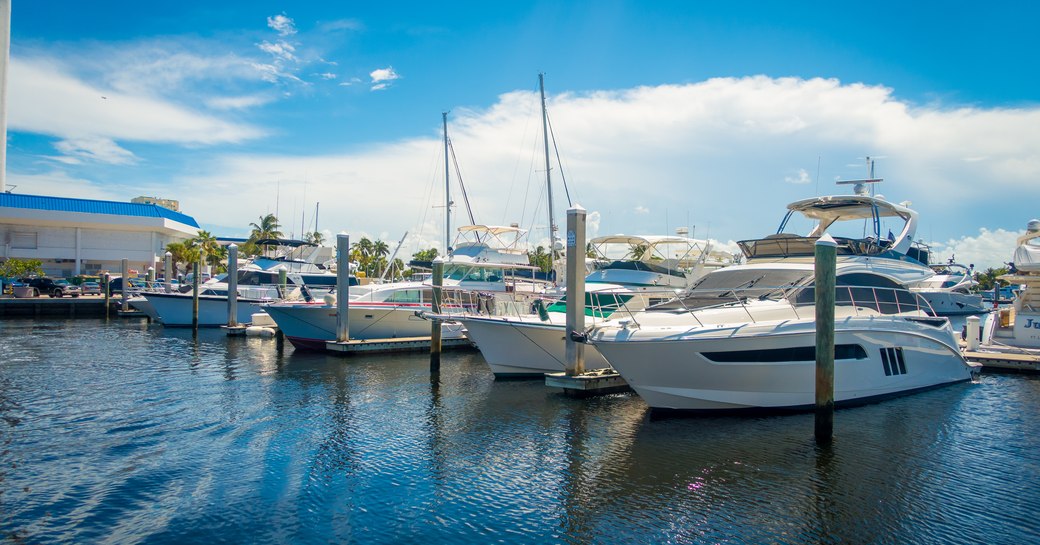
165 203
79 236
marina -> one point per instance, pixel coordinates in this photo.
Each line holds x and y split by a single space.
177 438
188 355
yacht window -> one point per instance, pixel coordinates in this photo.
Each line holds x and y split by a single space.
405 296
776 355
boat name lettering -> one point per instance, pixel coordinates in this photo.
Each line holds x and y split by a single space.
1031 324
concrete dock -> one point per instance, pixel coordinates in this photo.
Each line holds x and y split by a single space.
400 344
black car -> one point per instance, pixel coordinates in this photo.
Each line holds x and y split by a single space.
48 286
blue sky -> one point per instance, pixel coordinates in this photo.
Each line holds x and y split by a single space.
714 114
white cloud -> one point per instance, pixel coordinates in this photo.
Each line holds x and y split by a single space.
281 50
712 155
642 210
282 24
327 75
987 249
45 99
97 149
382 77
59 183
239 102
801 177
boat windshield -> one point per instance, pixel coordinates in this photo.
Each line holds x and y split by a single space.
727 285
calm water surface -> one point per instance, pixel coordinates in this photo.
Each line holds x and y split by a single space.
126 433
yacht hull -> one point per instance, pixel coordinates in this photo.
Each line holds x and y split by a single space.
175 309
309 326
755 367
516 348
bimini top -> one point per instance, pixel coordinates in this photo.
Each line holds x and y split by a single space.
830 210
89 206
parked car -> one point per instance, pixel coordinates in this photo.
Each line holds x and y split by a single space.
51 287
90 288
115 285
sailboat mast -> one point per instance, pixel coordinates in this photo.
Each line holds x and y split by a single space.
548 174
447 188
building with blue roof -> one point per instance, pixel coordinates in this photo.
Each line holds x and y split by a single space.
85 236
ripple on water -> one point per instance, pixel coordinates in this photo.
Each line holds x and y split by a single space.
124 432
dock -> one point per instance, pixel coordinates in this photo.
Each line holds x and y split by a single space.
65 307
590 383
399 344
1019 362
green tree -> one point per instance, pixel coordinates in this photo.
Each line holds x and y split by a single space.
17 268
207 243
380 251
425 255
268 227
182 252
314 238
988 278
541 259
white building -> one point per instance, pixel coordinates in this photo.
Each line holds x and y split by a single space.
79 236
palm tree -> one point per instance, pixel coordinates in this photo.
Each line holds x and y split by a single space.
380 251
267 228
206 242
182 252
362 253
541 259
315 238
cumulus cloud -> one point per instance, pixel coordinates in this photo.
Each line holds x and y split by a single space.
382 77
725 155
642 210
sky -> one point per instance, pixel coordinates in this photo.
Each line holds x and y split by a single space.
708 115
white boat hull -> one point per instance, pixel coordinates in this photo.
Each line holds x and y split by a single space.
515 348
951 303
721 367
311 325
175 309
140 303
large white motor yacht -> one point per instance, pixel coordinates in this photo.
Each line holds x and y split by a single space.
743 338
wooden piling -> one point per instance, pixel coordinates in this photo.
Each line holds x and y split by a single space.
435 327
575 351
108 292
232 292
124 304
342 288
197 272
168 272
826 265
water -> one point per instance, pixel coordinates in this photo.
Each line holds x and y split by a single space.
128 433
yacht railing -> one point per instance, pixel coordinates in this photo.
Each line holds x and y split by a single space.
854 300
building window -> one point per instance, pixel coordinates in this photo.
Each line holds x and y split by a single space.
23 241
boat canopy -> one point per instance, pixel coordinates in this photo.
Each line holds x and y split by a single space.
830 210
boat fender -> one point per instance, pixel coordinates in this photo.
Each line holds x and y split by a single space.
330 300
259 331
